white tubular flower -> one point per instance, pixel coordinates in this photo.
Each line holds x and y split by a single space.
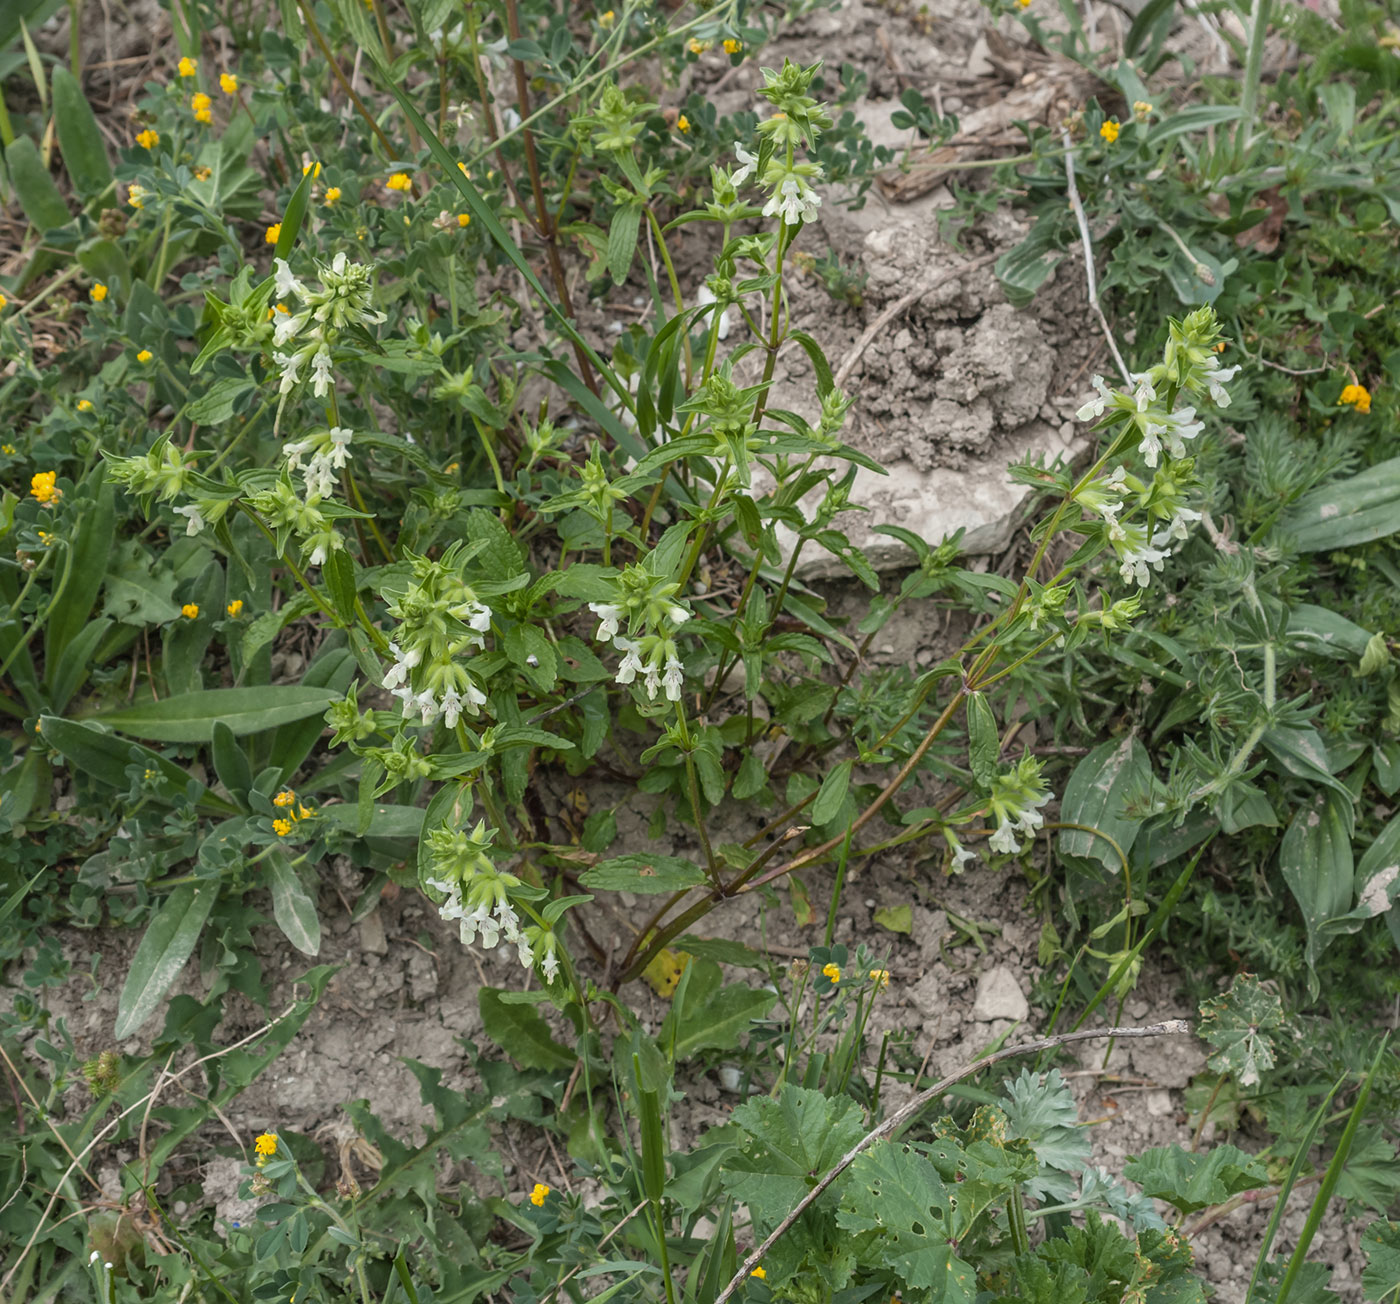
1144 393
340 445
1216 381
321 372
1177 527
1171 430
451 708
319 554
319 477
473 699
290 364
549 966
653 681
677 615
506 918
403 663
286 326
1093 409
1004 839
1135 562
631 663
796 200
674 679
293 452
705 295
286 283
194 522
522 949
608 616
749 161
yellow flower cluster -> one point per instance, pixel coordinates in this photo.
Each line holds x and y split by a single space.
1357 397
203 173
43 485
235 608
190 611
202 106
731 46
313 168
399 181
332 195
98 292
1109 131
537 1196
832 971
682 123
144 356
760 1272
288 801
265 1147
188 67
881 979
228 83
84 405
136 195
148 139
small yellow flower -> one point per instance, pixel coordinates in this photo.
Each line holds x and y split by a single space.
464 219
235 608
1109 131
204 116
45 537
84 405
148 139
462 167
282 827
150 776
305 812
313 168
607 19
682 123
228 83
188 66
1141 109
399 181
273 233
832 971
190 611
98 292
759 1272
144 356
1356 396
697 46
136 195
731 46
538 1194
203 174
4 302
201 103
7 449
284 799
332 195
881 979
1025 4
266 1144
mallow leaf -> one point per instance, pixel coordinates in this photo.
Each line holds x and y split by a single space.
1238 1023
1189 1181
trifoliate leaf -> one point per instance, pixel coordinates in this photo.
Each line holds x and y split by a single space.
1238 1023
1192 1181
897 1194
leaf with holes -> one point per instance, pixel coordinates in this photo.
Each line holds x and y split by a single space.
897 1195
1190 1181
1238 1023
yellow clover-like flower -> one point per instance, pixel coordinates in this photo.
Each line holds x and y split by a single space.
228 83
399 181
537 1196
332 195
832 971
235 608
43 485
190 611
1109 131
148 139
98 292
144 356
1357 397
273 233
188 66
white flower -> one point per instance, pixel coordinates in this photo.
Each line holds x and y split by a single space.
677 615
796 200
522 949
319 554
1093 409
961 855
1145 393
321 367
631 663
674 678
451 708
706 295
507 920
653 680
286 283
194 522
1216 380
1135 562
608 616
750 161
473 699
549 966
1176 528
403 663
340 443
1004 839
286 326
290 364
1171 430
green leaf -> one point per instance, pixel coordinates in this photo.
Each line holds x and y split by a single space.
1142 25
1190 1182
1238 1023
706 1016
983 739
1040 1110
37 194
622 241
1347 512
139 591
1381 1275
84 153
1320 631
649 875
833 792
521 1032
339 574
92 546
898 919
231 763
166 946
897 1195
1316 860
217 404
190 717
292 906
294 216
1101 794
1024 269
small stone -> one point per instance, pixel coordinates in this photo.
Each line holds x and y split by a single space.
999 996
372 936
1159 1103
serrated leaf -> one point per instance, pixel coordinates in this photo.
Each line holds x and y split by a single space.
1189 1181
1238 1023
650 875
896 1194
1381 1244
522 1033
708 1016
1040 1110
166 945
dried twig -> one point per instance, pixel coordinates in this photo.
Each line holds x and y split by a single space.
1088 244
899 306
1171 1028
